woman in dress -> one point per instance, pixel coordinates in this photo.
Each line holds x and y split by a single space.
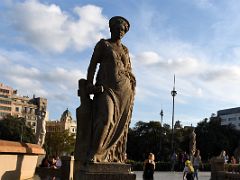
113 102
149 167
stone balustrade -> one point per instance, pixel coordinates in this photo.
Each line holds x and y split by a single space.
18 160
223 171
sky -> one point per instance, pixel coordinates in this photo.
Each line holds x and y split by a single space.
46 46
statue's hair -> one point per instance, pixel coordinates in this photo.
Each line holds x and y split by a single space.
119 19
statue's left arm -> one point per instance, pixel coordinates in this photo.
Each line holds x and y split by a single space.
129 69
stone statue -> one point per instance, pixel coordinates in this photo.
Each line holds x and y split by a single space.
192 143
105 119
41 127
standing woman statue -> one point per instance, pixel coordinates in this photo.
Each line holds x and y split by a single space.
192 143
41 127
113 100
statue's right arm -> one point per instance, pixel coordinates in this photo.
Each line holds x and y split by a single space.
96 56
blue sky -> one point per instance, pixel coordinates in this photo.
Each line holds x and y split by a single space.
46 47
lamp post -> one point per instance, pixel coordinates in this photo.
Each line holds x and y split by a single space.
161 114
173 93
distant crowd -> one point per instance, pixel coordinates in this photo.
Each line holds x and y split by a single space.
188 164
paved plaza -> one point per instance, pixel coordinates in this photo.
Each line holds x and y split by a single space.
157 176
172 175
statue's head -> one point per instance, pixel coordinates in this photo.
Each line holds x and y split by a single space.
118 26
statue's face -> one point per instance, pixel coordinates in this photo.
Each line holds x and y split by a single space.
118 31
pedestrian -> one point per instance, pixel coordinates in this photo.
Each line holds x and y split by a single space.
180 160
224 156
196 161
188 171
173 160
149 167
185 158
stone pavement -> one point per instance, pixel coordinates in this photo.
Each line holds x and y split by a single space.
172 175
157 176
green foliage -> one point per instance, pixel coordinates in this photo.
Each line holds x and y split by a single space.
15 129
212 137
148 137
59 143
232 168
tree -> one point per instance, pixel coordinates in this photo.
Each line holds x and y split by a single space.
59 143
146 137
212 137
15 129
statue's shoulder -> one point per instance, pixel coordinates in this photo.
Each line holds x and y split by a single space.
101 43
125 49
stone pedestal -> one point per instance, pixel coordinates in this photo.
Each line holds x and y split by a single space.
217 168
103 171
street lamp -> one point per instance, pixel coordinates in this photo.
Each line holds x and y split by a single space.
161 114
173 93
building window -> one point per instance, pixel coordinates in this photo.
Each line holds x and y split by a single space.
17 109
5 108
224 120
232 119
5 102
4 91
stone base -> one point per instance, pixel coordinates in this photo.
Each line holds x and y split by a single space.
103 171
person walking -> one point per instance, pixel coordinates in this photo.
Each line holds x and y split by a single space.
173 161
188 171
149 167
196 161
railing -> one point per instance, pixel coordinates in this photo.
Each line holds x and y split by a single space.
222 171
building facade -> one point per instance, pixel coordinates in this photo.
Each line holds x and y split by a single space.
66 122
230 116
21 106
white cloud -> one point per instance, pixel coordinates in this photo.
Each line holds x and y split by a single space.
39 80
63 77
203 3
89 28
148 58
49 29
195 79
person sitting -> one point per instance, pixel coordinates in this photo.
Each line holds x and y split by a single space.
58 162
149 167
233 160
52 162
45 162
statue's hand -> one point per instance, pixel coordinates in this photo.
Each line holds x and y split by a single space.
98 89
92 89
